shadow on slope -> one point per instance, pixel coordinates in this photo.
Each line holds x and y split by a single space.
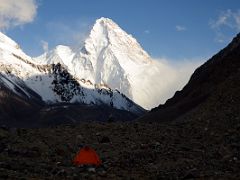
25 108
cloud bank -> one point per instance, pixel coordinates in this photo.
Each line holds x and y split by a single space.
16 12
173 76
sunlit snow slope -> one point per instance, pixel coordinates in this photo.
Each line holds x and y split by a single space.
112 58
51 82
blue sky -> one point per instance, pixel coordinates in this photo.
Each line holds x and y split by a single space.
180 29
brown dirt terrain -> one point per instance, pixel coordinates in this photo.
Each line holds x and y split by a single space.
183 150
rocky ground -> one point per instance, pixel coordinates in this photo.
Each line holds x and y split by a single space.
182 150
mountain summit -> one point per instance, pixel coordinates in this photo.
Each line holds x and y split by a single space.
52 83
111 58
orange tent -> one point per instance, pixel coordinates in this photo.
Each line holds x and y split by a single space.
87 156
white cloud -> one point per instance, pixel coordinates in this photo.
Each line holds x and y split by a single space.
182 71
220 37
226 20
44 45
147 31
171 75
180 28
16 12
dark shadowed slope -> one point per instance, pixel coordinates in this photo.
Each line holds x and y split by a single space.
22 107
16 109
213 90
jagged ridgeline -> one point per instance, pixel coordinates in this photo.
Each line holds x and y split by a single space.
53 83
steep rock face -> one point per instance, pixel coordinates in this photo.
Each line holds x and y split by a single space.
70 90
111 58
212 93
52 83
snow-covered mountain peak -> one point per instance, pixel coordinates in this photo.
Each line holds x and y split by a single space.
60 54
106 22
112 58
47 78
7 41
9 48
107 25
106 34
8 45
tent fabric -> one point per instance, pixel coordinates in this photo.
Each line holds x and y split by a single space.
87 156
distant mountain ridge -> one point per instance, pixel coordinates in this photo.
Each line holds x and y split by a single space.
52 83
111 58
